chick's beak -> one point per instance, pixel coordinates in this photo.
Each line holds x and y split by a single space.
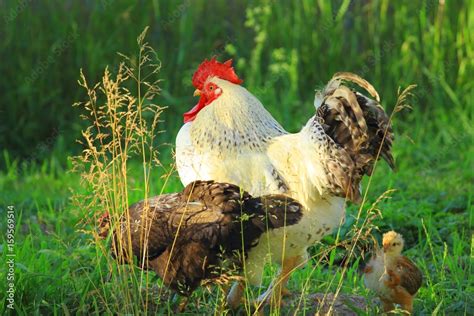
197 93
385 247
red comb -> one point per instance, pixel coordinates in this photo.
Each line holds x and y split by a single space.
214 68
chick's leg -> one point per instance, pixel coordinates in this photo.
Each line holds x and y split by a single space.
405 299
387 305
408 306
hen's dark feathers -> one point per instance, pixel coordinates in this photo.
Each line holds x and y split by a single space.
183 236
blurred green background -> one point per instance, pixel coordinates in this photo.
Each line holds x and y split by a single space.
283 51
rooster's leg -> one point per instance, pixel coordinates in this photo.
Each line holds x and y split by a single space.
235 295
182 305
278 289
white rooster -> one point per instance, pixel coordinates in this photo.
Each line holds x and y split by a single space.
230 137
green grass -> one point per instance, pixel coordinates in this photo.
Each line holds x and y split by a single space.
283 51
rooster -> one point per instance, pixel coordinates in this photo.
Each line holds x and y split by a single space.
185 237
229 136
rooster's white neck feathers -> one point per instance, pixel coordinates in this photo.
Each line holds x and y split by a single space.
236 120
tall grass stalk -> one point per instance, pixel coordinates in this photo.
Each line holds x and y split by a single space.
122 127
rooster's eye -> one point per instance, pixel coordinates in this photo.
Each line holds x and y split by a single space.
211 87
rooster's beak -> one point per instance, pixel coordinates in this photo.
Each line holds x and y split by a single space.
197 93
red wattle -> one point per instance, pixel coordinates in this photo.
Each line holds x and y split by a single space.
191 114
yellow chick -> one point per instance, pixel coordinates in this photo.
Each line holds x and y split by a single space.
394 277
